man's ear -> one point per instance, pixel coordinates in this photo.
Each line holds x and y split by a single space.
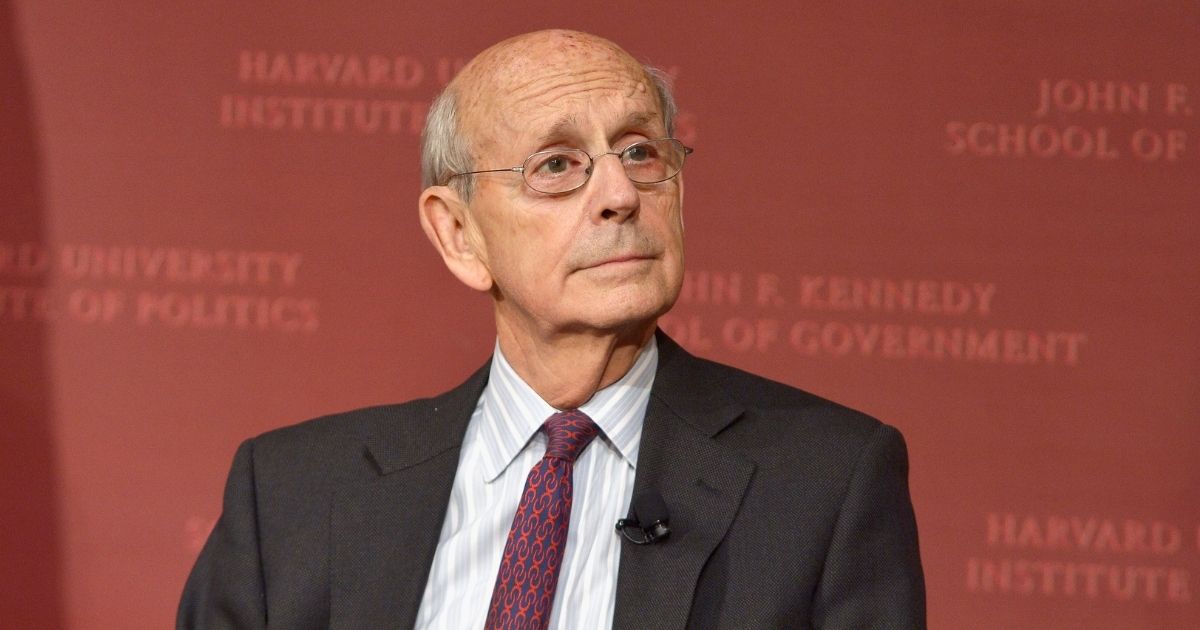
680 184
446 221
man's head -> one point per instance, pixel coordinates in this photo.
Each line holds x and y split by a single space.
607 257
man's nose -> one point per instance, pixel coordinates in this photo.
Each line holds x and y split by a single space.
615 196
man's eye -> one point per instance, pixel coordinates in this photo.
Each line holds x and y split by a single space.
638 153
555 164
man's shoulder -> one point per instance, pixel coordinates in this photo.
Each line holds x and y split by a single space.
352 424
329 446
777 417
337 441
784 408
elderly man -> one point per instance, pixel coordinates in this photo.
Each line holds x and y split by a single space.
553 184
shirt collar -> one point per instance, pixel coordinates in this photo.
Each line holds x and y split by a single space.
512 413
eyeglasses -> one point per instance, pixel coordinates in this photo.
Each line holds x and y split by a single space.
560 171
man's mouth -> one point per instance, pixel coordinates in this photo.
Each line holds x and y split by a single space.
620 260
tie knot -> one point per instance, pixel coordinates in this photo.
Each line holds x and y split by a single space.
569 433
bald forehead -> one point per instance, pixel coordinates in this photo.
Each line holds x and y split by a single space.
530 72
525 58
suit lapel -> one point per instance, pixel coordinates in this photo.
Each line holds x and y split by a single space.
385 530
701 482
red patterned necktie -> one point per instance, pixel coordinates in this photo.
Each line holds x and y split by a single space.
528 577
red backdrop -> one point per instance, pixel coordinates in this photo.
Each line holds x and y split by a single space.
979 224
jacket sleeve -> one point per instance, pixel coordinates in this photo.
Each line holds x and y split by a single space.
225 588
872 575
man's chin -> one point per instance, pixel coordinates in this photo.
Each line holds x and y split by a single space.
629 312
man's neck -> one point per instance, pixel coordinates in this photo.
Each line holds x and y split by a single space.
567 369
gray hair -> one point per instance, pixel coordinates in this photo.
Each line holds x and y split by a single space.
446 150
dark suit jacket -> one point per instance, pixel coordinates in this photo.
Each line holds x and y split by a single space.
787 511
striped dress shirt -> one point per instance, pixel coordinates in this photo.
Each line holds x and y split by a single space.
501 444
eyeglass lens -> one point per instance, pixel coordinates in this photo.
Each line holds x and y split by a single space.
563 170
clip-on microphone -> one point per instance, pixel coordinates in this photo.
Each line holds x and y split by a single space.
648 520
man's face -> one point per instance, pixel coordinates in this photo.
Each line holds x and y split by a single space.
601 258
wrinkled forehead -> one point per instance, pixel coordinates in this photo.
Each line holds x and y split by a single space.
523 88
